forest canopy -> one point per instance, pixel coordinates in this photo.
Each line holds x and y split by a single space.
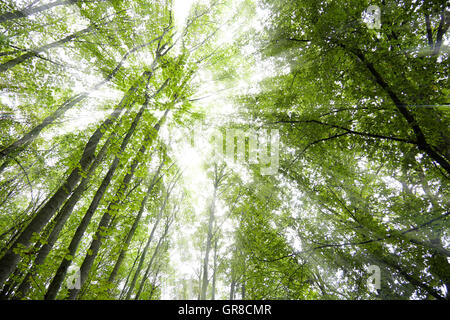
224 149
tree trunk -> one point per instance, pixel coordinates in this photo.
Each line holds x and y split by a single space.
106 218
131 232
59 223
10 260
155 278
122 293
76 239
213 295
208 247
13 15
21 143
155 252
421 141
218 176
232 288
144 253
34 52
141 261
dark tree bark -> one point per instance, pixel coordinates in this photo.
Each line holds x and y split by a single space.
153 284
143 255
76 239
149 240
29 137
35 52
444 24
155 252
389 261
59 223
133 228
138 255
13 15
106 218
10 260
421 141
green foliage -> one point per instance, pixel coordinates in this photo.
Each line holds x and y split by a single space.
364 149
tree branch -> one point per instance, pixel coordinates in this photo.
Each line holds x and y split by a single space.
349 131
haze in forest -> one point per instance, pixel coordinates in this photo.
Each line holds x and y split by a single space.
224 149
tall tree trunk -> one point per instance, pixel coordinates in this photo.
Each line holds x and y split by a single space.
59 223
155 252
200 273
153 284
439 265
9 261
213 295
35 52
389 261
150 238
138 255
104 222
76 239
421 140
232 288
14 148
218 177
13 15
208 247
144 253
131 232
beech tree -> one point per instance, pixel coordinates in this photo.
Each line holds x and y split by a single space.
224 149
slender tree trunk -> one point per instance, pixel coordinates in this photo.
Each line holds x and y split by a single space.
122 293
200 273
131 232
10 260
76 239
104 222
243 280
213 295
154 283
208 248
232 288
13 15
413 280
35 52
29 137
141 261
218 176
60 221
155 252
421 141
439 265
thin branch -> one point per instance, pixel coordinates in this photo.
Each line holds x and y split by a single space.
364 134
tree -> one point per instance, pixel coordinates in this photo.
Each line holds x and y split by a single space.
114 116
